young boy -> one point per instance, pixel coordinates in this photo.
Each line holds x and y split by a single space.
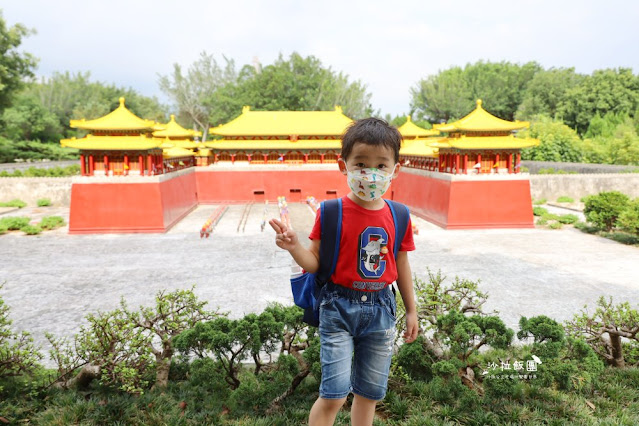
357 313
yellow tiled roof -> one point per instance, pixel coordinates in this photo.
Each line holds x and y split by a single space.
284 123
141 142
176 151
412 130
173 130
481 120
119 119
225 144
491 142
418 147
182 143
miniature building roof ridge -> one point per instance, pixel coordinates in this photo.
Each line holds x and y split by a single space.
412 130
177 151
141 142
266 145
120 118
173 130
285 123
491 142
418 147
481 120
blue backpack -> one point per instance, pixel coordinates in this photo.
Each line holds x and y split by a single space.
308 288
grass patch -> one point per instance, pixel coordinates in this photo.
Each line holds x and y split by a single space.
565 199
621 237
540 201
72 170
51 222
44 202
540 211
31 229
13 223
568 219
13 203
555 225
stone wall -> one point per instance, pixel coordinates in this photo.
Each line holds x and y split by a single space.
31 189
551 187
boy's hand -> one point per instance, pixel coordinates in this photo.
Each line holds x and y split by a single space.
411 327
285 238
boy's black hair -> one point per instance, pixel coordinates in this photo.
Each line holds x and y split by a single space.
371 131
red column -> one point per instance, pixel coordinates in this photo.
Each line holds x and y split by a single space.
106 165
465 171
141 165
518 165
91 165
457 164
248 156
265 158
305 158
322 158
126 165
149 163
232 158
82 165
496 163
479 162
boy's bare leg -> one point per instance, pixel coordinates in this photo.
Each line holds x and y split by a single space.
324 411
362 411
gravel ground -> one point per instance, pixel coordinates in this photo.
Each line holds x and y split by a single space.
53 280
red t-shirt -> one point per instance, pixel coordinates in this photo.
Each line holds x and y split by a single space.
365 260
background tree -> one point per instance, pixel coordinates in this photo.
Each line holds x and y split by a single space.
191 90
610 90
545 91
15 66
442 97
558 142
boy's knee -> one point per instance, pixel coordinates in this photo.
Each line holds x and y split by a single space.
333 404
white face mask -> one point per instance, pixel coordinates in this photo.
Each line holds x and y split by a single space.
369 184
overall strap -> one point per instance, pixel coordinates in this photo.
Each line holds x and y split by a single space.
331 230
401 217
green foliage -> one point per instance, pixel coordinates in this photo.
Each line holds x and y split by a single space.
557 142
51 222
553 171
15 66
452 93
540 211
629 218
539 202
604 329
568 219
32 150
545 91
415 359
555 225
18 355
31 229
604 208
3 229
565 199
609 90
43 202
584 227
28 119
14 203
621 237
13 223
72 170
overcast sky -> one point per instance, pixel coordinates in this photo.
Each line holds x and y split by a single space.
389 46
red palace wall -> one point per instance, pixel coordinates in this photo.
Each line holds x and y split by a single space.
154 204
131 204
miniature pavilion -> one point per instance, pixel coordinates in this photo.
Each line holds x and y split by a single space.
179 146
417 150
481 143
272 137
120 143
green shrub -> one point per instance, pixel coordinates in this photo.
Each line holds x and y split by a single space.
14 203
13 223
31 229
51 222
584 227
604 208
564 199
542 221
622 237
44 202
629 218
3 229
540 211
540 201
568 219
550 216
555 225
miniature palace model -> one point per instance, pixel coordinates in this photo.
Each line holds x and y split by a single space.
141 176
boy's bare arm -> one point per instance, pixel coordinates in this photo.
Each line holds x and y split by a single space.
287 239
405 285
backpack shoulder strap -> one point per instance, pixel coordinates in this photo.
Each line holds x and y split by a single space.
401 217
331 230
